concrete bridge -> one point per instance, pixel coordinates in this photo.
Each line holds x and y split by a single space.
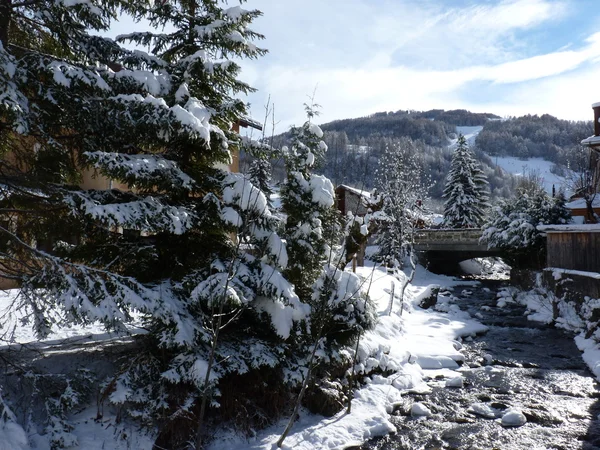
444 248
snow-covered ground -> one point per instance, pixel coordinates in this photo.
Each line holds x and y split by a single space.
470 133
536 166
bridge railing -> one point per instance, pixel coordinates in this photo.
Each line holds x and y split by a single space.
448 235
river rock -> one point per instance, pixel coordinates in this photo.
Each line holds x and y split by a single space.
419 410
482 410
326 398
430 297
513 418
456 382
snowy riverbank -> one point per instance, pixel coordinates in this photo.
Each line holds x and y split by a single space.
415 345
411 346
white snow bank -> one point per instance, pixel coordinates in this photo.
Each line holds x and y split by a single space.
12 437
591 353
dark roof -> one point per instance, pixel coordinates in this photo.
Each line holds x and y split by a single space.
246 122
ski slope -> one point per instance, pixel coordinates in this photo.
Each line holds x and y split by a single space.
517 166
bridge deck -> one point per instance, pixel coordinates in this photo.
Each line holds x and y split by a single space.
451 240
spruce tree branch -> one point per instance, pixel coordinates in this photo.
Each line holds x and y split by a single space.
27 3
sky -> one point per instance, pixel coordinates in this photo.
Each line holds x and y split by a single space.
358 57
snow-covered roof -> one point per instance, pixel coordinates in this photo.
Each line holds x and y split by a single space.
360 192
592 141
592 227
579 203
595 105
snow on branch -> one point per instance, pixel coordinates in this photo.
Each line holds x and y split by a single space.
152 169
155 83
193 118
148 214
64 74
11 98
254 284
239 191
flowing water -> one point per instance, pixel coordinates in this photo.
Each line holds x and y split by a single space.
517 364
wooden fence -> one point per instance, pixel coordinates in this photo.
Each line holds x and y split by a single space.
574 248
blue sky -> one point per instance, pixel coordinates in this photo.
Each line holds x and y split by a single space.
509 57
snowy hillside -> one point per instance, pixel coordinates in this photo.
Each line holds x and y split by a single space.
518 166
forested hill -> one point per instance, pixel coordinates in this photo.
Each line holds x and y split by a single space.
433 127
356 145
530 136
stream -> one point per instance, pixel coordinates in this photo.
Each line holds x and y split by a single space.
519 364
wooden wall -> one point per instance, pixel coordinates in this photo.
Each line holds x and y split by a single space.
575 250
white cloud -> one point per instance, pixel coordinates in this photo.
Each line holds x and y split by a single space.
416 55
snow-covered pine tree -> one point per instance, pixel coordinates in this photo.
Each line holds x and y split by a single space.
402 188
313 231
260 176
312 224
466 191
168 247
512 225
314 235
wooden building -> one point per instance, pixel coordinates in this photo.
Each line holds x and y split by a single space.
350 199
573 247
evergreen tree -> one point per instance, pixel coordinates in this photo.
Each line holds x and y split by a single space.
512 225
340 310
168 247
260 176
307 200
314 235
466 191
402 190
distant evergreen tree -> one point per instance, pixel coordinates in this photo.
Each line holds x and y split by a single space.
402 191
466 190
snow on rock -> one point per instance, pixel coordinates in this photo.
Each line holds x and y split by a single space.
482 410
419 410
456 382
513 417
591 353
436 362
13 437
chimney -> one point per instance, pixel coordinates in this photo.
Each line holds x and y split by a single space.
596 107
